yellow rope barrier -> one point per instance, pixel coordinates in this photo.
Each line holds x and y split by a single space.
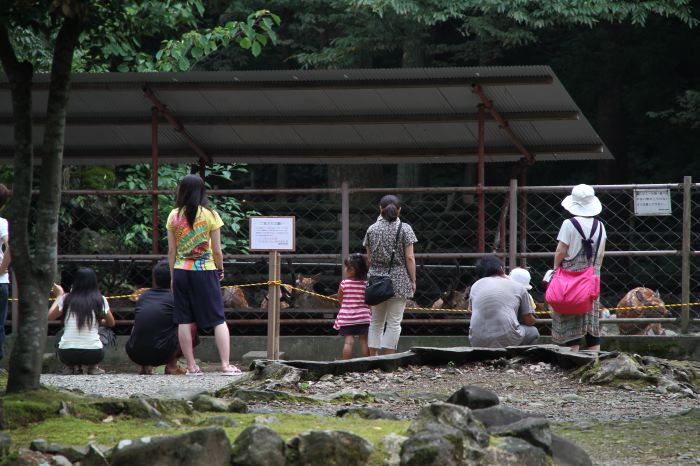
430 309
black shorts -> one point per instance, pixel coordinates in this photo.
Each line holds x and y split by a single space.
81 357
198 298
359 329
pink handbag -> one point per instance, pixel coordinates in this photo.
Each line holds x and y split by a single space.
574 292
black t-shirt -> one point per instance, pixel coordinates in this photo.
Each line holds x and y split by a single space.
153 339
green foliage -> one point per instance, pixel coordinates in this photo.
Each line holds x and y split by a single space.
138 35
136 227
687 113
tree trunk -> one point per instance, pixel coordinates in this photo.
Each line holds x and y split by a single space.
34 273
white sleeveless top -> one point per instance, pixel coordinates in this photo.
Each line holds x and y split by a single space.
84 338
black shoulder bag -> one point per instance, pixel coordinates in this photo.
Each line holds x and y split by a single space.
380 287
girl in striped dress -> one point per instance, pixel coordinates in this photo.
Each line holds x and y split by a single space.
354 315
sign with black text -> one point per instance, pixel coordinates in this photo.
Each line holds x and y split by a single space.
649 202
272 234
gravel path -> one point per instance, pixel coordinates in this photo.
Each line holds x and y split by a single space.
540 388
125 385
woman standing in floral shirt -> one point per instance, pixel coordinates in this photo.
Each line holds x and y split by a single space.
380 241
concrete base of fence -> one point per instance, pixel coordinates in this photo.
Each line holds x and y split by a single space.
327 348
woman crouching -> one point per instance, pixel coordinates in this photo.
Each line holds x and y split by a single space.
85 309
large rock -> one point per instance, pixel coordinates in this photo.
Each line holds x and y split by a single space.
391 444
500 416
30 458
458 355
5 444
365 413
328 448
566 453
385 363
473 397
436 415
94 457
258 446
514 451
207 403
533 430
437 447
203 447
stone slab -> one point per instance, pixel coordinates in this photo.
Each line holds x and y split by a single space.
385 363
457 355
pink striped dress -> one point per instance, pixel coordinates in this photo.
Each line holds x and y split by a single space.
353 310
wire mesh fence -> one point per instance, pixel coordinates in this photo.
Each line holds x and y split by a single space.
112 230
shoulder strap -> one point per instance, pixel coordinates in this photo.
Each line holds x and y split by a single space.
587 242
600 237
396 243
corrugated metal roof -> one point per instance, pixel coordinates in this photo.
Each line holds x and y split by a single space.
316 116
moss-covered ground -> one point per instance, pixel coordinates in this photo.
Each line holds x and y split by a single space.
654 440
33 415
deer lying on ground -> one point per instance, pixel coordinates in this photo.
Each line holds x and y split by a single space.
642 303
233 297
453 299
309 301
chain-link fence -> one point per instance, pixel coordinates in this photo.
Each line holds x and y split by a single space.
112 231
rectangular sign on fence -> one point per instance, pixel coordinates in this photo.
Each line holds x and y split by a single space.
272 234
652 202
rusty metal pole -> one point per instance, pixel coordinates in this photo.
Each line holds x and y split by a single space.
155 236
202 168
344 219
480 182
685 248
522 203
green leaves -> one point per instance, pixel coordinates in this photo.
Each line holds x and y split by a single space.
252 34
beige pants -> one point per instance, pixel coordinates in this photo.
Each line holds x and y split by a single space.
390 312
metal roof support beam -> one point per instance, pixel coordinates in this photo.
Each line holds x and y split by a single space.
287 120
177 125
503 124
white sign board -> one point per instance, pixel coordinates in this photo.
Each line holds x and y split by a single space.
272 234
652 202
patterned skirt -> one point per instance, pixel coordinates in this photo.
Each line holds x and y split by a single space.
567 327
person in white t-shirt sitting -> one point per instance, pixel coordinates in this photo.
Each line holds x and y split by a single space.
85 310
4 267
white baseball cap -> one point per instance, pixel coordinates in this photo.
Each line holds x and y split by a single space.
522 276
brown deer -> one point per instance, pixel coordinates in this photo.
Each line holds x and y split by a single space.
233 297
453 299
641 303
309 301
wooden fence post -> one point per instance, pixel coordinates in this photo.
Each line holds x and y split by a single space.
273 307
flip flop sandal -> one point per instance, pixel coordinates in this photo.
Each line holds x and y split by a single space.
232 371
195 373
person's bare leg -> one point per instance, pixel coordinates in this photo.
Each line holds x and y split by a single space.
574 347
146 370
347 346
363 345
223 344
373 351
594 348
184 336
389 351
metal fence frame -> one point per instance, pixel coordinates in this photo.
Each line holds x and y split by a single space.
513 226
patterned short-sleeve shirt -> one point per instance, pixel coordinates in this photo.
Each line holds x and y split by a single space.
194 244
379 239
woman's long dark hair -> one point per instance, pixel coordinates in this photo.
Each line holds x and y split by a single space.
191 195
84 300
390 206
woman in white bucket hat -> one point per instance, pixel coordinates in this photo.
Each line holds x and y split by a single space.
575 252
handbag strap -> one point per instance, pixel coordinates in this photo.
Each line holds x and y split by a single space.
396 243
588 242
